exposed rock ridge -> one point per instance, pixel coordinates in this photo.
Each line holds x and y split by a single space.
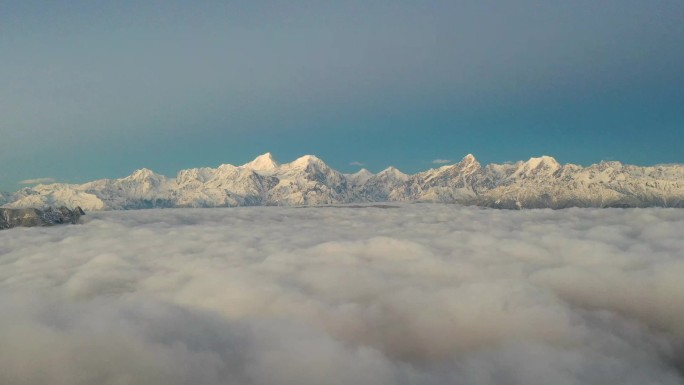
30 217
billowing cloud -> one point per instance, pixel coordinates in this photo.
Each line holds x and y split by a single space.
355 163
37 181
441 161
413 294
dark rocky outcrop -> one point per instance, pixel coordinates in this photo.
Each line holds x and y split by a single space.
34 217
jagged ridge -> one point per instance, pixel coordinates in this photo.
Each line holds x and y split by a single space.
537 183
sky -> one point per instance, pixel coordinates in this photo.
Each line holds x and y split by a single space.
404 295
96 89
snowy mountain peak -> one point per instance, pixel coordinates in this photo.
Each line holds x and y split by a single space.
543 160
360 177
543 165
470 158
142 174
394 173
195 175
469 164
262 163
305 161
362 173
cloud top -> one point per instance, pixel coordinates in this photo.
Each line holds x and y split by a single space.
420 294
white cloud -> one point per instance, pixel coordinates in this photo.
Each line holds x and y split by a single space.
355 163
420 294
441 161
37 181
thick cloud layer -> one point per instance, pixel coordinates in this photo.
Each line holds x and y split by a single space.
410 294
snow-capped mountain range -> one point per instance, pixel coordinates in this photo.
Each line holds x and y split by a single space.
537 183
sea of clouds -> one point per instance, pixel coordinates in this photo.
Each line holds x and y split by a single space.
408 294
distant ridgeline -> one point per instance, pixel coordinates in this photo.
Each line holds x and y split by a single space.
537 183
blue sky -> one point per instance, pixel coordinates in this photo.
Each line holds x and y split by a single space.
93 89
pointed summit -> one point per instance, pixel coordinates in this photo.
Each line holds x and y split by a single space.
470 158
263 162
394 173
468 164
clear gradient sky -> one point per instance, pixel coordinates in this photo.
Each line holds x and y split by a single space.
94 89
